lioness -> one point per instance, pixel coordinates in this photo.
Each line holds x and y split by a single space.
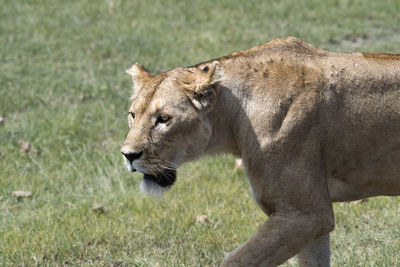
311 126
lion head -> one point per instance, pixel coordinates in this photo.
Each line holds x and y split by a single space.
167 122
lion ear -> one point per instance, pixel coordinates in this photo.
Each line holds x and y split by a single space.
139 74
202 86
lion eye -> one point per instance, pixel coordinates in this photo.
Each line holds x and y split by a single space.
163 119
131 117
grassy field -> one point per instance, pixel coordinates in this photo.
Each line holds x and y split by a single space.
63 90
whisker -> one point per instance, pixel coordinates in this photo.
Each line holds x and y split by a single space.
173 165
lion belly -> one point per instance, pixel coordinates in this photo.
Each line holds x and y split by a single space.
361 117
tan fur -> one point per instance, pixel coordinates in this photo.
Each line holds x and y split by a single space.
313 127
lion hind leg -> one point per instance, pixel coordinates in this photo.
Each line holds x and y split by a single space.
316 254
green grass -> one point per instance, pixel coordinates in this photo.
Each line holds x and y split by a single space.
63 89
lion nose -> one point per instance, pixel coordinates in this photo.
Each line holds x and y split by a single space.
132 156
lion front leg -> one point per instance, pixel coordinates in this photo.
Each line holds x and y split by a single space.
279 239
316 254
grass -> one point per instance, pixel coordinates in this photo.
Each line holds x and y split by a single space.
63 89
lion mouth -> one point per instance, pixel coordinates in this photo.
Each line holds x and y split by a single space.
166 178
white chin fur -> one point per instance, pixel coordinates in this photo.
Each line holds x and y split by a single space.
152 188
